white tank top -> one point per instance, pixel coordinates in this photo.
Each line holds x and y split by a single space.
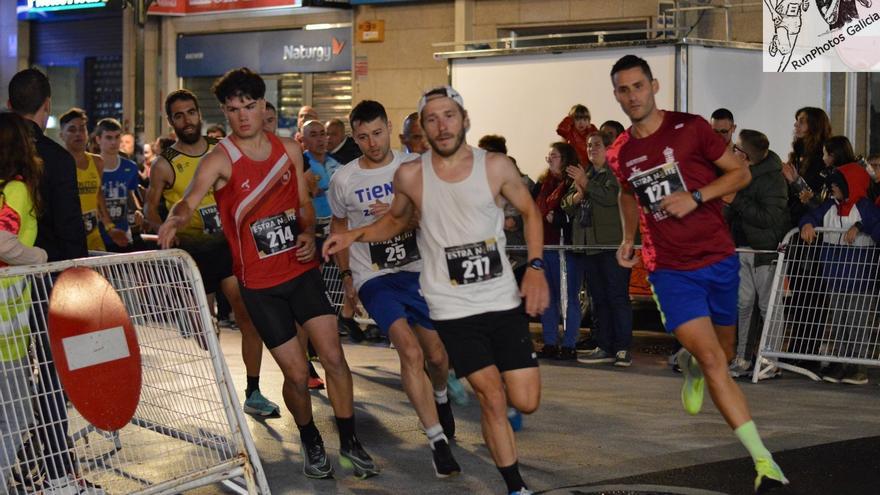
461 239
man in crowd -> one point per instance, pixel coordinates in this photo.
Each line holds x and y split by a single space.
412 137
466 280
385 275
269 223
270 119
59 232
340 146
668 165
723 125
201 236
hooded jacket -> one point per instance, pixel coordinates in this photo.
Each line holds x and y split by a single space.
758 216
845 267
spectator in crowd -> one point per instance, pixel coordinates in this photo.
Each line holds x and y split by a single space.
723 125
341 146
412 137
806 173
575 128
837 151
550 189
805 170
872 166
60 233
306 113
613 128
217 131
846 266
320 166
127 145
758 219
20 171
591 203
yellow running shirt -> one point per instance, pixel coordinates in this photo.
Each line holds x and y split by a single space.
205 222
89 183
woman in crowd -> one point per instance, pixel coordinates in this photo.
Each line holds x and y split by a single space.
805 170
550 189
20 170
591 202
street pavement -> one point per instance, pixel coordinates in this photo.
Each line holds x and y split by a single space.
599 429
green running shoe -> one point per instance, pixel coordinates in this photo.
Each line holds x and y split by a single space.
257 405
769 475
694 383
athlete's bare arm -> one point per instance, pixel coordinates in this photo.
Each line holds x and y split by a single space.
629 219
735 175
398 219
212 171
504 179
305 241
161 178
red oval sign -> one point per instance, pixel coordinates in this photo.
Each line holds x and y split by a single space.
95 348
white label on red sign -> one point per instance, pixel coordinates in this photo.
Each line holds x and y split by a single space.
98 347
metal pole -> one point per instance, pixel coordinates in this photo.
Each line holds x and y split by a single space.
140 20
563 293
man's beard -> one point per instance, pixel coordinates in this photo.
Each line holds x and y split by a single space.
189 138
459 138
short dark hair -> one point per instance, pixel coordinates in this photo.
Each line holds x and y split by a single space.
755 140
239 83
367 111
108 124
631 62
28 90
179 95
579 111
493 142
72 114
722 114
407 122
617 126
216 128
270 106
566 152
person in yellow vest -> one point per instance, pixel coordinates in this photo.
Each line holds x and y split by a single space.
89 168
20 170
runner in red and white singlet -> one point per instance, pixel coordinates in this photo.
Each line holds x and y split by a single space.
269 222
258 211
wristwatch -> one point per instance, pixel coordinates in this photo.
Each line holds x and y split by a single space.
698 197
537 264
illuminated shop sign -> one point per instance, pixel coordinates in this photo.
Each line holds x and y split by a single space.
45 9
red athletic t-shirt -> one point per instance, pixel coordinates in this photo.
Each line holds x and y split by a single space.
687 141
259 211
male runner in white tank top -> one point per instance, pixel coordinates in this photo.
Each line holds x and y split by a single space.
467 281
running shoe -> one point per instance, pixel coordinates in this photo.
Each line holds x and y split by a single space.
445 464
856 375
567 354
315 383
598 357
740 367
769 475
586 345
623 359
315 462
456 390
516 419
694 383
347 326
834 373
355 457
258 405
447 420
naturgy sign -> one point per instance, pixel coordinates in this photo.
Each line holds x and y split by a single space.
268 52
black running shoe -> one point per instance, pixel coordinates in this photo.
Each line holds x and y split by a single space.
444 464
447 420
355 457
315 462
347 326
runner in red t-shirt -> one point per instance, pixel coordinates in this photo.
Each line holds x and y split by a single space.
269 222
674 170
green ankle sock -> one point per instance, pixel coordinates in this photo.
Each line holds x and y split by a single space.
748 435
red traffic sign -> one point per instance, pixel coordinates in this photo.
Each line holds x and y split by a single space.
95 348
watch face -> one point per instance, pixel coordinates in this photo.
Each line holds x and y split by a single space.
537 263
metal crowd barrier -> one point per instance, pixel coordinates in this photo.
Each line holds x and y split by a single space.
823 304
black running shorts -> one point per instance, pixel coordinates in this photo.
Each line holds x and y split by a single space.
214 261
499 338
274 310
